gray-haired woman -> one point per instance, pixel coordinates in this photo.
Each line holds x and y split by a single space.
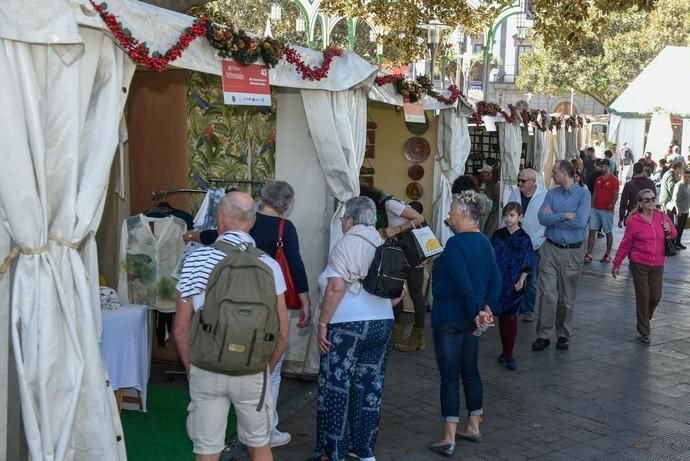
466 286
354 333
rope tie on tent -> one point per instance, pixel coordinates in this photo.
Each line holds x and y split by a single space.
16 251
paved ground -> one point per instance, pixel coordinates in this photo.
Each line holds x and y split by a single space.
607 397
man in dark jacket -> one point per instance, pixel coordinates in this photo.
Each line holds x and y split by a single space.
628 200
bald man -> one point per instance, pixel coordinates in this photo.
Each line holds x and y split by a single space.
212 393
530 195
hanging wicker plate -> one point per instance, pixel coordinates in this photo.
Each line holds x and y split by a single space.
416 149
414 191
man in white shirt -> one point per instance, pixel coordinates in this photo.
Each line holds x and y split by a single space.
212 393
530 196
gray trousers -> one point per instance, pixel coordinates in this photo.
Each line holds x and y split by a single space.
559 274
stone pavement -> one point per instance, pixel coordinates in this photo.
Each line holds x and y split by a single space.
607 397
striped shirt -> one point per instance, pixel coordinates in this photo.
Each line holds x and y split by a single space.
199 265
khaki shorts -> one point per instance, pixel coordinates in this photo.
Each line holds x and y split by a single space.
212 394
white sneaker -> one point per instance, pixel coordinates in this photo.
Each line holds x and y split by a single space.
279 439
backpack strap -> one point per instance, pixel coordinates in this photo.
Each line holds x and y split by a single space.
365 239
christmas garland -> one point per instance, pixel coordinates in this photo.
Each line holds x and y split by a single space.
413 89
138 51
308 72
242 47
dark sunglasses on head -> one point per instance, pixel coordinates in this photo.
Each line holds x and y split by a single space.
648 199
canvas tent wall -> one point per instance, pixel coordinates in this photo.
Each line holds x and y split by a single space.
67 83
661 88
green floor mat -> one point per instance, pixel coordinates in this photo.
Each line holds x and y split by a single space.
160 434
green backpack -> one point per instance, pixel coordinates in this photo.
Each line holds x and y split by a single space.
237 331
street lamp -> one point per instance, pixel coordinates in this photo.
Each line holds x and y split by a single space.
300 24
276 12
433 36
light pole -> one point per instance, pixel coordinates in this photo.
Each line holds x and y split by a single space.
433 37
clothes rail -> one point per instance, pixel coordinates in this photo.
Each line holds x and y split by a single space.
156 194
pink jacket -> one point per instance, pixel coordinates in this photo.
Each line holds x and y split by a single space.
643 242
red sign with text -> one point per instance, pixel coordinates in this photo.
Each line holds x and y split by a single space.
245 86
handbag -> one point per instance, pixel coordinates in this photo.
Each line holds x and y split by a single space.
669 246
291 296
419 244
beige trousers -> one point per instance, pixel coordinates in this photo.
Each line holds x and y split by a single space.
559 274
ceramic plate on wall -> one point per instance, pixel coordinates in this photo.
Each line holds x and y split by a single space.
414 190
415 172
416 149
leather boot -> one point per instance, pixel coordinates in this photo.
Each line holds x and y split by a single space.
416 341
398 332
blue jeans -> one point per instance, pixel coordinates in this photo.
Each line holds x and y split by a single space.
456 356
531 284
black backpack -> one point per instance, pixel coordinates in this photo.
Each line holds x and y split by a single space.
386 276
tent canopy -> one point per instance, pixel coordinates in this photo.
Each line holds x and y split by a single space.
662 85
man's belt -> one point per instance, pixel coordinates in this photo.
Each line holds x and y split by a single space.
565 245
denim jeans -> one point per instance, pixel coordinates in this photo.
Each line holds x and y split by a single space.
531 284
456 356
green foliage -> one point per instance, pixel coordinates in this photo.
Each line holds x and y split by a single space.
224 139
601 65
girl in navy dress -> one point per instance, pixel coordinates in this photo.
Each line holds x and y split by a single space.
514 256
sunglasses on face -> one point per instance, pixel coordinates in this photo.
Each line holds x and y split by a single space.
648 199
520 180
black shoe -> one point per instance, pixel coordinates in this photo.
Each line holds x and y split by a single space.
562 343
680 246
540 344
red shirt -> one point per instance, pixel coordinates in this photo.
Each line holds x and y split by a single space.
605 189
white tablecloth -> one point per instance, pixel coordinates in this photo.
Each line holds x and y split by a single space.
125 347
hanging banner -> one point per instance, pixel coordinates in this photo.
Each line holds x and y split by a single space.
489 123
414 111
245 86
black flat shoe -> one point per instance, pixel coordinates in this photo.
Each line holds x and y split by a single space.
563 343
540 344
442 448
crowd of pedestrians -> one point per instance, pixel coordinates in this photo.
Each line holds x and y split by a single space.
529 268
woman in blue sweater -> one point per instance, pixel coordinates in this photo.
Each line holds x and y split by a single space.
466 286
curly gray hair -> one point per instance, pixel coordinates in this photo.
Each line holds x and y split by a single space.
278 195
362 211
470 203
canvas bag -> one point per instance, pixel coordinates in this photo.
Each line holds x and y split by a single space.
291 296
420 244
237 330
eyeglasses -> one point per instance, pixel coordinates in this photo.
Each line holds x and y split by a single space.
520 180
648 199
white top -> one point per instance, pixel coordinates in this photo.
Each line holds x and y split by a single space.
394 210
198 267
357 307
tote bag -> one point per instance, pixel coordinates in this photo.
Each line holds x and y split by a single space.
291 296
420 244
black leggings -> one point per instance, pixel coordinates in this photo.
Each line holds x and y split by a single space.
415 285
681 220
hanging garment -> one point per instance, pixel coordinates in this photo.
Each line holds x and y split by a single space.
206 216
150 249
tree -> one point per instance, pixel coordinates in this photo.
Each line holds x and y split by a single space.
602 65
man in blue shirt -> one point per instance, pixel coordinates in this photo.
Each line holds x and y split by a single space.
564 213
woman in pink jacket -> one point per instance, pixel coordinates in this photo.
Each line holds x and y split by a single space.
643 243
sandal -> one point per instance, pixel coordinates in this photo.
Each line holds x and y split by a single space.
588 258
605 259
476 437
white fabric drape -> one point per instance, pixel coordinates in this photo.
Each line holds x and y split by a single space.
338 125
453 150
510 137
572 143
56 163
685 137
560 144
541 152
614 121
660 135
631 130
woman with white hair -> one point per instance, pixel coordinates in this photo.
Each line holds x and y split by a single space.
354 336
466 286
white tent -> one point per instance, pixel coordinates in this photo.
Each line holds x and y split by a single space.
659 89
67 84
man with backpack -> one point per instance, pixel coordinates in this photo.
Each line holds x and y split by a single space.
231 329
